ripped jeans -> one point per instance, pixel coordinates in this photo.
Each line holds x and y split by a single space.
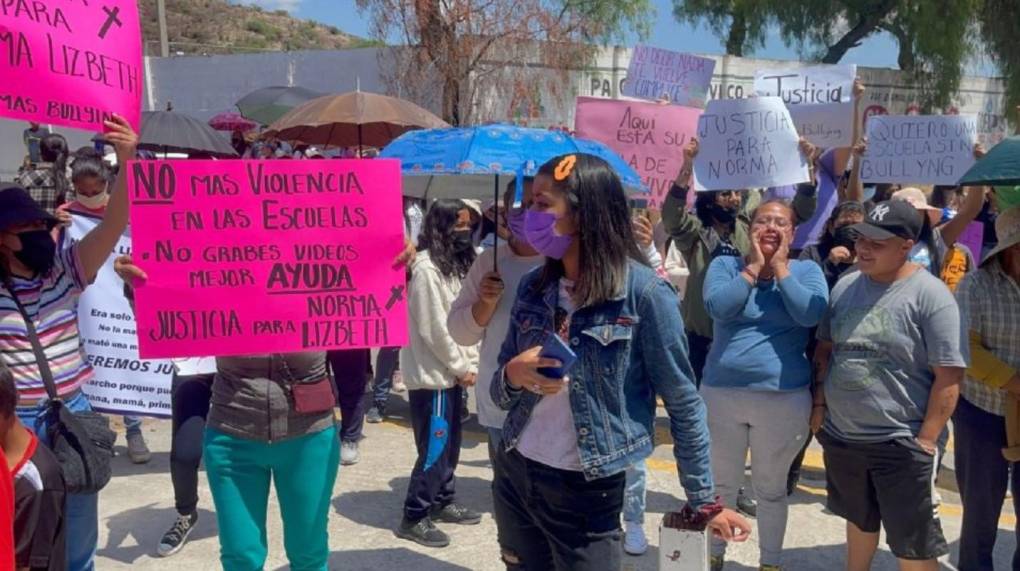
555 519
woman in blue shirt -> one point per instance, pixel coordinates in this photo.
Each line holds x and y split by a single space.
756 383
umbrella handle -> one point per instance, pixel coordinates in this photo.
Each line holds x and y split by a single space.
495 247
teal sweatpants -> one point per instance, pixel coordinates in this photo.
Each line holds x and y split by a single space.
304 470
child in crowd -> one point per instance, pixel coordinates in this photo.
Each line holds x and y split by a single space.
38 489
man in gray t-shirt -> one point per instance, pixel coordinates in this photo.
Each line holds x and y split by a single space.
890 360
886 338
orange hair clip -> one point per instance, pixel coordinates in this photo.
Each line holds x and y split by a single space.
565 167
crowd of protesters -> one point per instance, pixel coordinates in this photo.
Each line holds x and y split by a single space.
752 337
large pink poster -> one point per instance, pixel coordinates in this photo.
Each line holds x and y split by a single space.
649 136
70 62
248 257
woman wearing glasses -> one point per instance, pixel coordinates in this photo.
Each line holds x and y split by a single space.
756 383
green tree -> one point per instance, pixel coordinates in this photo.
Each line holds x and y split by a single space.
741 23
458 44
999 21
935 39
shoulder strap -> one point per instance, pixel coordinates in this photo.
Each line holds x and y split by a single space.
40 356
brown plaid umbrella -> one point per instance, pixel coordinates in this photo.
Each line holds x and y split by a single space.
352 119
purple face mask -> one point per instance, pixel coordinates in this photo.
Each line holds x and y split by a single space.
540 231
515 222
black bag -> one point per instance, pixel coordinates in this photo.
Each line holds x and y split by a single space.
81 441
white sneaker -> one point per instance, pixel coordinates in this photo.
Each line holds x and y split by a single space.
398 383
634 540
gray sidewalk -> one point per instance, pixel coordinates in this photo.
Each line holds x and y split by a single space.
137 507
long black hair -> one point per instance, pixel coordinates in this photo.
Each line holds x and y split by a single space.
703 203
437 237
89 167
606 238
53 149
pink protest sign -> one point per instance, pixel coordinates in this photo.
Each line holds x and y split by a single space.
649 136
248 257
70 62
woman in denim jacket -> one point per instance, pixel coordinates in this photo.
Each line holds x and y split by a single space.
559 475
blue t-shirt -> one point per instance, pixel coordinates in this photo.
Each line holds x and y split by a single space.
761 332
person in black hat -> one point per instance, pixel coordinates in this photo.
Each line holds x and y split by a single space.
891 356
47 284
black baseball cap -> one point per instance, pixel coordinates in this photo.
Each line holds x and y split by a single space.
18 207
891 219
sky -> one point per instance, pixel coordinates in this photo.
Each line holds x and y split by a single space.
877 51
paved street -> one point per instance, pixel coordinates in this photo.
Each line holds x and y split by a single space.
137 507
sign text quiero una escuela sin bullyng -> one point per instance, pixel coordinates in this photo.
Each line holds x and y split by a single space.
919 149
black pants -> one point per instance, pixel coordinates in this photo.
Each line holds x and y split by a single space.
698 347
386 364
554 519
351 371
189 406
983 476
432 480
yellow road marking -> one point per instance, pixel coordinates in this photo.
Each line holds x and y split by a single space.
812 461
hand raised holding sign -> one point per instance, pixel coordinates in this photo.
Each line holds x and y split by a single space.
811 154
123 138
858 89
683 178
96 246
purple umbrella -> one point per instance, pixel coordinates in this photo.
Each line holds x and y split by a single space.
228 121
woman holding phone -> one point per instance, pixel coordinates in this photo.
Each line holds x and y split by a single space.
568 439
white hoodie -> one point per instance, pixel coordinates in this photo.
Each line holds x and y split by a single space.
433 360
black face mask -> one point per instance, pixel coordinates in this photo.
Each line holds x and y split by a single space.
38 250
844 236
462 241
723 215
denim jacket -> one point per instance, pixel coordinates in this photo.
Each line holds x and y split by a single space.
629 349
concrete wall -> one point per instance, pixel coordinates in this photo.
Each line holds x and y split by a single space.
203 86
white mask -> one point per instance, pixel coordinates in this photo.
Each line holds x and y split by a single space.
94 202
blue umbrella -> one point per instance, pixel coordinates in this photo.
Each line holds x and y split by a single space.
462 162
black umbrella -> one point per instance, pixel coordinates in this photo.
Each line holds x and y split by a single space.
268 104
170 131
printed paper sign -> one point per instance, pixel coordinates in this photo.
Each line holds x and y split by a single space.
826 125
820 100
124 383
249 257
808 85
681 78
649 136
71 63
748 143
919 149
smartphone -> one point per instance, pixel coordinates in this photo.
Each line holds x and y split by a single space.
555 348
639 207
